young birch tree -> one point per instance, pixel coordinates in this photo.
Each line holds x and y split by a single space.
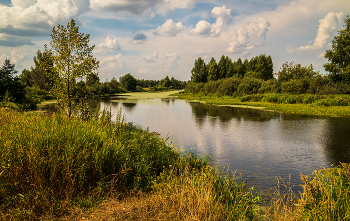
73 59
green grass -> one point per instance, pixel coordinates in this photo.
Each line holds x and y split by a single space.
292 104
52 166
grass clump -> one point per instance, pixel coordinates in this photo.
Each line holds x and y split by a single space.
52 166
325 196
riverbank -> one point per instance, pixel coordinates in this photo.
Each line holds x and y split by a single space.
53 167
56 168
316 108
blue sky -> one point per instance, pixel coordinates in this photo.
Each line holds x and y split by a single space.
154 38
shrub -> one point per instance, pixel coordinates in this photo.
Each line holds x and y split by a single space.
228 86
295 86
269 86
249 86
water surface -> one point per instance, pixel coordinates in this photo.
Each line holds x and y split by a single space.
259 145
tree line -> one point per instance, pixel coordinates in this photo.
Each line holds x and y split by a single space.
256 76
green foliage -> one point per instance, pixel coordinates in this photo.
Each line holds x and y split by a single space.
213 70
72 59
199 71
261 66
249 86
228 86
339 56
11 88
295 86
291 71
128 82
269 86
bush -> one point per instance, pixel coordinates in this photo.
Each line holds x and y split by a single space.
228 86
269 86
295 86
249 86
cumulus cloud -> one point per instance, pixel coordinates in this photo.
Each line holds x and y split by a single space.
23 4
151 57
15 57
168 6
108 45
326 27
112 64
36 17
170 28
245 39
205 29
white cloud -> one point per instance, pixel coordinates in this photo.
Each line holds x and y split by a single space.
205 29
23 4
169 6
143 71
326 27
170 28
108 45
151 57
172 59
36 18
248 38
17 56
112 65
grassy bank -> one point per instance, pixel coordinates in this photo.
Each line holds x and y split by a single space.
321 105
52 167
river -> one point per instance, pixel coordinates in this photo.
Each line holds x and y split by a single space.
259 145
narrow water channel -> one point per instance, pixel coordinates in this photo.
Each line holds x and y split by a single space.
259 145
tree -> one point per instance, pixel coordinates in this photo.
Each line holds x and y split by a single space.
128 82
222 67
10 84
166 82
213 70
43 74
72 59
339 56
199 72
291 71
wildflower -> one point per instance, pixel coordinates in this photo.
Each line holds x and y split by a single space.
163 166
170 165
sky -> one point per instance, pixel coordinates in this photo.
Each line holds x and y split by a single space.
151 39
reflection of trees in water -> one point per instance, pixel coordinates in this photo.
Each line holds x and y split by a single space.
337 140
129 106
226 114
168 99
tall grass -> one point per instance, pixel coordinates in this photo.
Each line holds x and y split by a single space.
50 164
325 196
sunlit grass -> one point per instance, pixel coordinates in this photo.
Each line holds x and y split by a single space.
319 107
